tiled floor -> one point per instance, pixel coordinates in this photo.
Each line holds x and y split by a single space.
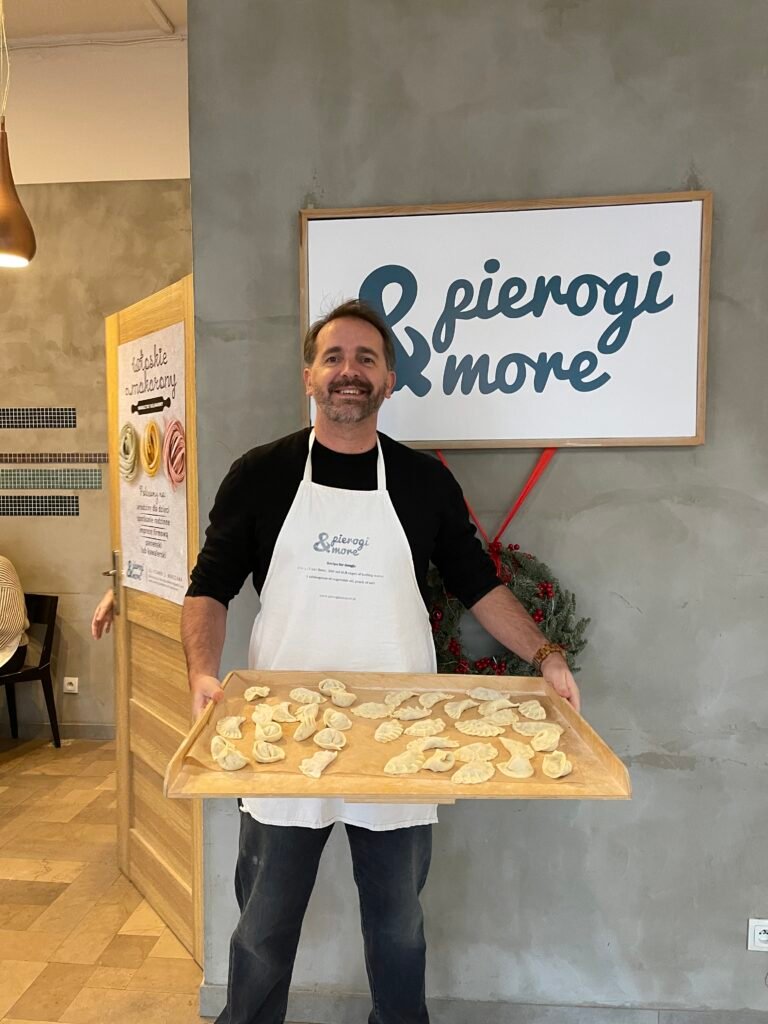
77 942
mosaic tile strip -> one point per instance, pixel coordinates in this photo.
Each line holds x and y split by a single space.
37 418
38 458
50 479
39 505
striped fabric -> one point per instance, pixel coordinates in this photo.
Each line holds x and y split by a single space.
13 614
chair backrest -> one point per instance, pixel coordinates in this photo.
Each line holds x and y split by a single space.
41 610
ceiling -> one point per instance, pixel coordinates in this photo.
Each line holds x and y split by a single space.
53 19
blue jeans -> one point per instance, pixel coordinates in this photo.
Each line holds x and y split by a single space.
276 871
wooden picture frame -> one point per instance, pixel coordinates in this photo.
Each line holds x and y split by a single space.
695 396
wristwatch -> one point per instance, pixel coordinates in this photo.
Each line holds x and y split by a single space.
543 652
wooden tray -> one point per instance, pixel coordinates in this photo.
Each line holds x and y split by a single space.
357 774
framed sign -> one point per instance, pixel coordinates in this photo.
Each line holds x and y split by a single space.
546 323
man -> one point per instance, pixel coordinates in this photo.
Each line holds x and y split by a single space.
275 516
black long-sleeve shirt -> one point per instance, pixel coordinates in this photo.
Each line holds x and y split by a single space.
257 493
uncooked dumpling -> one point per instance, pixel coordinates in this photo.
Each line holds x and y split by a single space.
229 727
262 714
313 767
304 696
256 691
517 768
269 731
556 765
490 706
330 686
547 739
516 748
477 752
440 761
479 727
531 728
396 698
336 720
457 708
388 731
430 727
372 710
507 716
410 713
428 700
432 742
405 764
282 712
330 739
307 716
267 753
533 709
473 772
343 699
226 756
483 693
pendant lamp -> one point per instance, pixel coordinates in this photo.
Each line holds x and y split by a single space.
17 239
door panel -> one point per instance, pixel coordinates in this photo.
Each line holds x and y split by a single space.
159 840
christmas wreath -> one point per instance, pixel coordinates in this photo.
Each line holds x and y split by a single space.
532 582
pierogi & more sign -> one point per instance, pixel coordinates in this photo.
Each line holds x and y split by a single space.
563 324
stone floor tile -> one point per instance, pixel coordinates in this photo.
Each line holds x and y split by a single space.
65 913
127 951
13 890
27 945
86 943
167 976
169 947
110 1006
19 916
51 992
15 978
20 869
111 977
143 921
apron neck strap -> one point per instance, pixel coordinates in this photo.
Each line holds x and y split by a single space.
381 476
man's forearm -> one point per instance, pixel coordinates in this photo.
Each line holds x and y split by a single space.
502 615
203 628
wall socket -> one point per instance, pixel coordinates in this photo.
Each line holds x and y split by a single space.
71 684
757 936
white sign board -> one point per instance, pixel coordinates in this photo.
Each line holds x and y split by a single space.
153 489
577 324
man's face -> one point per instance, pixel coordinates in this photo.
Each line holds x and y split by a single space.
349 378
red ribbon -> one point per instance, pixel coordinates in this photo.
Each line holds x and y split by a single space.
494 546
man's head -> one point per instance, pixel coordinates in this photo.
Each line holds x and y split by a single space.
349 363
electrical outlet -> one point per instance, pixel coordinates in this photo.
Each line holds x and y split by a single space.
757 936
71 684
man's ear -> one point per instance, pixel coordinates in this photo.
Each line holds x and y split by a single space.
307 381
390 385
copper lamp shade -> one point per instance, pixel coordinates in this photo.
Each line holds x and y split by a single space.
17 239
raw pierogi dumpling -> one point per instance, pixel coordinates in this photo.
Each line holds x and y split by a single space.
516 748
440 761
479 727
429 727
532 709
330 739
556 765
456 708
473 772
256 691
226 756
396 698
342 698
428 700
313 767
336 720
282 712
372 710
330 686
262 714
229 727
410 713
304 696
267 753
477 752
433 743
517 768
269 731
405 764
388 731
490 706
483 693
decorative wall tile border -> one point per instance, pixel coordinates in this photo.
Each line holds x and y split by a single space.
39 458
50 479
39 505
37 418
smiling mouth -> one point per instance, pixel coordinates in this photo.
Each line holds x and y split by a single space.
350 392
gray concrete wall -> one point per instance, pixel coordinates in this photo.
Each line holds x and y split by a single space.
358 102
101 247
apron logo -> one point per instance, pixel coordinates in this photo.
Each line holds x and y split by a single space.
340 545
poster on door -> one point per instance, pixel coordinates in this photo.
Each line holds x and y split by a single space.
152 463
579 323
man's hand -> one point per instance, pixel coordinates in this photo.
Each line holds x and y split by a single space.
555 670
103 616
204 689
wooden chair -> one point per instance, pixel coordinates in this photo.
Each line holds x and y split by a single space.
41 610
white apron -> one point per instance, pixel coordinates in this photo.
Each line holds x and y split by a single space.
341 594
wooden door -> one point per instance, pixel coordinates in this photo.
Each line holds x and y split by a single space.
159 840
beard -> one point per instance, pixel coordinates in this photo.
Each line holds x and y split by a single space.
341 409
